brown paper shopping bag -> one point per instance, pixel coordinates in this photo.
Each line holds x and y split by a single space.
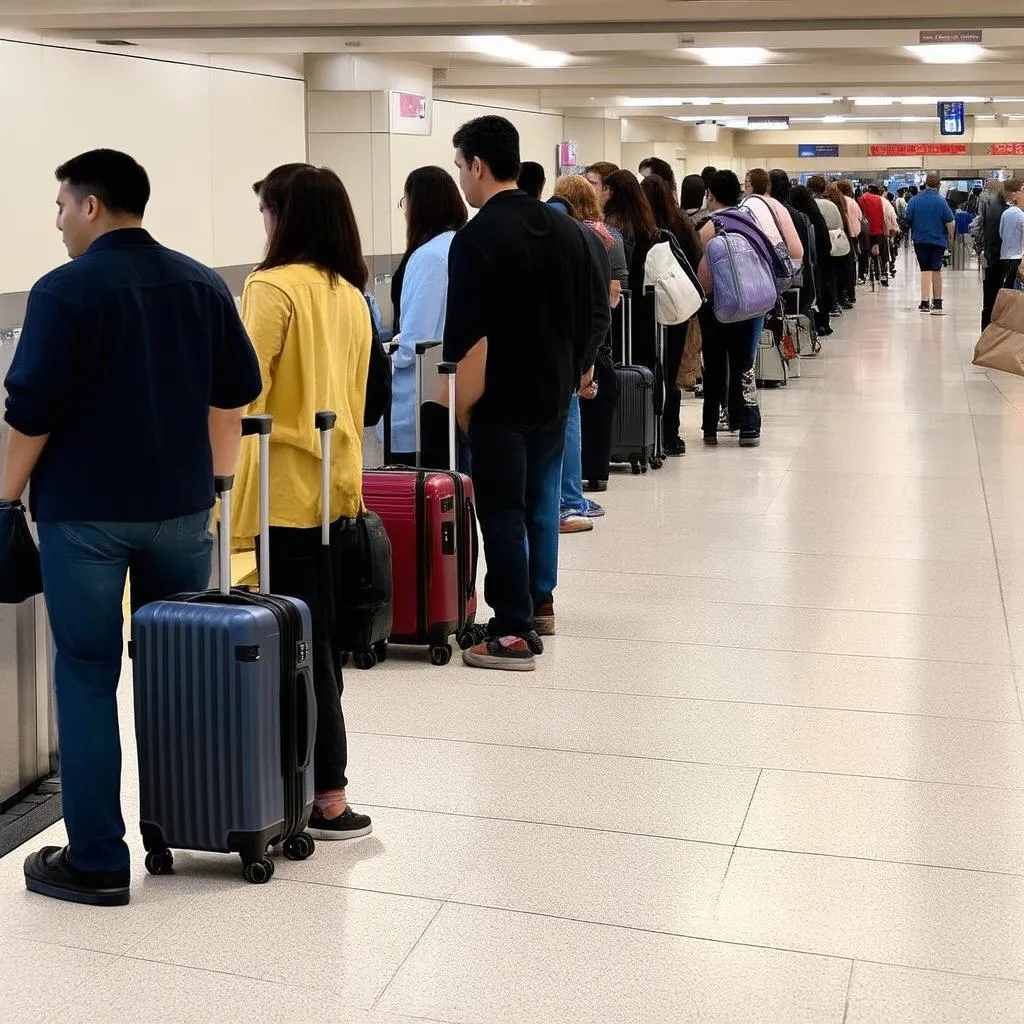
1001 346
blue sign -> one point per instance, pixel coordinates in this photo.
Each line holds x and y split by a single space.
951 117
810 150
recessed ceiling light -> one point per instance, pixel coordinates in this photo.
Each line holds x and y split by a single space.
506 48
730 56
947 53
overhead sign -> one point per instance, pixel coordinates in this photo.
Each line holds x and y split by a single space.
951 117
1006 149
815 150
918 149
949 35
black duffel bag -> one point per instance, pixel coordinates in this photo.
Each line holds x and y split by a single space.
20 575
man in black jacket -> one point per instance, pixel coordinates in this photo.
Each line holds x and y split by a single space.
991 212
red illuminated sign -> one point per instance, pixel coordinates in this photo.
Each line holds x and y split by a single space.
918 149
1006 149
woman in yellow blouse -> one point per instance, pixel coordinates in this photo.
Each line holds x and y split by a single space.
304 310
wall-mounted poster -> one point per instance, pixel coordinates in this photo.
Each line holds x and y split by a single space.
410 113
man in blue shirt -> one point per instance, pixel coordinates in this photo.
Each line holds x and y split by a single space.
1011 232
931 220
124 398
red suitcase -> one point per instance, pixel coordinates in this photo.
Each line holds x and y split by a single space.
430 519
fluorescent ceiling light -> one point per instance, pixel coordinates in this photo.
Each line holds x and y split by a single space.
947 53
653 101
833 119
506 48
730 56
911 101
776 101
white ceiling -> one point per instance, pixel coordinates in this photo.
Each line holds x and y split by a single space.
617 54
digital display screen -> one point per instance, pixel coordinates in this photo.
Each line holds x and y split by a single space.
951 117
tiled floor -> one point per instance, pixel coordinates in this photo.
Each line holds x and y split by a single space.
771 771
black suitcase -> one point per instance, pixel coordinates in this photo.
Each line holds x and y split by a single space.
360 557
225 713
633 432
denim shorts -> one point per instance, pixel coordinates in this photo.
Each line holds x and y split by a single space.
929 257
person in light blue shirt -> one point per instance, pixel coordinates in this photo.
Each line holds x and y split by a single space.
931 220
434 211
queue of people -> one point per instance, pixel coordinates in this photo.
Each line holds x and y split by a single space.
526 296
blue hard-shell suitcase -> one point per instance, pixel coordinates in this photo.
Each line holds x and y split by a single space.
225 714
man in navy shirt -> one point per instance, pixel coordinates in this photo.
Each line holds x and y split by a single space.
124 399
931 220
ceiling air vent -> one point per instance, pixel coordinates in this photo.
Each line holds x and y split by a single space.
115 42
440 76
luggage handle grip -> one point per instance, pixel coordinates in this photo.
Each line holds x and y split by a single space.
306 720
260 425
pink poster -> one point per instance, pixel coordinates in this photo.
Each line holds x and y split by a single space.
412 106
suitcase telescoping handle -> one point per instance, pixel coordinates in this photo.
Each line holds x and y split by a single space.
448 370
260 426
422 348
627 327
222 488
325 420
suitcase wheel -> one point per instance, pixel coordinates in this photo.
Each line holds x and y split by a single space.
159 862
635 467
440 655
380 648
471 636
299 847
365 659
643 466
657 463
259 872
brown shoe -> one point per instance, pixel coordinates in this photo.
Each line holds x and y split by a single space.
510 653
544 620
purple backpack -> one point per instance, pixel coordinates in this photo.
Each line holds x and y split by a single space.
744 266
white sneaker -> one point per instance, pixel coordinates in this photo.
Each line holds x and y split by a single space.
575 524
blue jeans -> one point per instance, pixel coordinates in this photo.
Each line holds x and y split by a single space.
84 570
517 475
572 462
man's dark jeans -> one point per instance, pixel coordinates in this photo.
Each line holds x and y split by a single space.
516 477
84 570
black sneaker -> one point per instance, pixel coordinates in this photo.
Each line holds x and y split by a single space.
534 642
509 653
937 309
595 486
675 447
347 825
710 437
925 307
750 438
50 873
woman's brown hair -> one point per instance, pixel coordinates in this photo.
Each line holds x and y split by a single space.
628 210
435 206
835 193
314 223
578 193
669 217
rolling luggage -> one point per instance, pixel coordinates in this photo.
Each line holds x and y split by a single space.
633 432
430 518
770 366
225 713
360 555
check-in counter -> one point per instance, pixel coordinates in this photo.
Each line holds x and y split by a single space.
28 738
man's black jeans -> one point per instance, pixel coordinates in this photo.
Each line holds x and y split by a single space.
517 473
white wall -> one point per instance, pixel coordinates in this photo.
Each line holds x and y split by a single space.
539 135
204 134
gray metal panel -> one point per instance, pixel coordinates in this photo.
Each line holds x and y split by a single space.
28 737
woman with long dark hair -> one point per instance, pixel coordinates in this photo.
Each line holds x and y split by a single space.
670 218
626 209
434 211
304 310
